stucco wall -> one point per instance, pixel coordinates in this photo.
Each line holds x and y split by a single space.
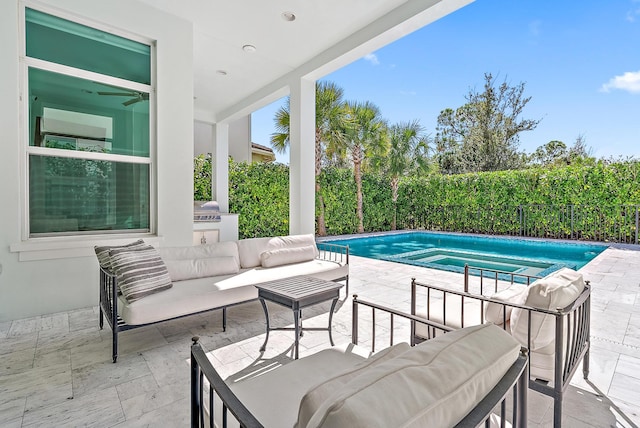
50 275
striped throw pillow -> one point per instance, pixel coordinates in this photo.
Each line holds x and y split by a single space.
104 258
140 272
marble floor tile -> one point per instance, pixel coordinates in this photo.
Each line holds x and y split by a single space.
11 410
148 401
25 326
106 375
17 362
82 319
12 344
98 409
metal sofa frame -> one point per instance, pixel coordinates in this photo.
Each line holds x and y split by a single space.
513 384
574 319
109 296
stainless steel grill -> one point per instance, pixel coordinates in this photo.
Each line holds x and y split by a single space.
206 211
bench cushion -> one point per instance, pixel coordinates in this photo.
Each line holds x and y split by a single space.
291 382
201 261
433 384
285 256
322 391
251 249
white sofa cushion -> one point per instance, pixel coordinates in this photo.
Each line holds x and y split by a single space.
180 270
140 272
286 256
494 312
251 249
433 384
557 290
201 261
322 391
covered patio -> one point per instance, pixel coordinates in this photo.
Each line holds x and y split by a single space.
57 369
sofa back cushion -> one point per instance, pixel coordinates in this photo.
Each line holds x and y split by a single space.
201 261
497 313
557 290
321 392
251 249
433 384
140 272
285 256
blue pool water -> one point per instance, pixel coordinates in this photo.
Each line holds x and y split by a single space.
452 251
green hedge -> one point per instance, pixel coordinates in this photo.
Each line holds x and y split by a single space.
477 202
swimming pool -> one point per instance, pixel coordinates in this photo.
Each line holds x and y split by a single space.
446 251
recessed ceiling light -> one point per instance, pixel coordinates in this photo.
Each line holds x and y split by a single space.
288 16
221 72
249 48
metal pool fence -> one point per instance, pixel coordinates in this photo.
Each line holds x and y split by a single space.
605 223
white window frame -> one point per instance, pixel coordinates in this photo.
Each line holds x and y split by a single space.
27 149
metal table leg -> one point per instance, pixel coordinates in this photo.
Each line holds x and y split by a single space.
266 317
296 323
333 306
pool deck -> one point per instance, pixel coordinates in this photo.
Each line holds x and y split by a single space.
56 370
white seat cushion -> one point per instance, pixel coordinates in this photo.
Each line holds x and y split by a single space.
434 384
274 397
472 314
322 391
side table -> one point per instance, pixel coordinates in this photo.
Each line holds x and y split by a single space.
297 293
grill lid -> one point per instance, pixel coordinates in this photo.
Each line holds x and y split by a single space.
206 211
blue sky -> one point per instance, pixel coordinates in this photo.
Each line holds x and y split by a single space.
579 60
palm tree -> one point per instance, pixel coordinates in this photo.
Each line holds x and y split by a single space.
330 123
365 137
407 153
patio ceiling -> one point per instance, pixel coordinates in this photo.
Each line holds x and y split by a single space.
325 36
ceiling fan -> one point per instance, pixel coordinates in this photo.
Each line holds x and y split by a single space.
136 96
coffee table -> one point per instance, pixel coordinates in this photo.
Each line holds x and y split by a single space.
297 293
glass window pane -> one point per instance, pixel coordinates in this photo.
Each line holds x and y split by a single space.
64 42
76 195
70 113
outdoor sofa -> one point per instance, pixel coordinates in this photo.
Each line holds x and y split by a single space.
462 378
550 316
142 285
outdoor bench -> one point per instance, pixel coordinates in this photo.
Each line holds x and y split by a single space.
181 281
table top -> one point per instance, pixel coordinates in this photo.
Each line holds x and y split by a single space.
298 287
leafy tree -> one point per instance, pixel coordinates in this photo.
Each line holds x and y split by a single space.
407 153
556 153
483 134
365 134
549 153
330 123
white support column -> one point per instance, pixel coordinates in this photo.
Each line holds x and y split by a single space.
220 174
302 189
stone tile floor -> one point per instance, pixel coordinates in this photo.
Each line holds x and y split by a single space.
56 370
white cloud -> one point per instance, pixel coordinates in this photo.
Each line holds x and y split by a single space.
372 58
629 81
